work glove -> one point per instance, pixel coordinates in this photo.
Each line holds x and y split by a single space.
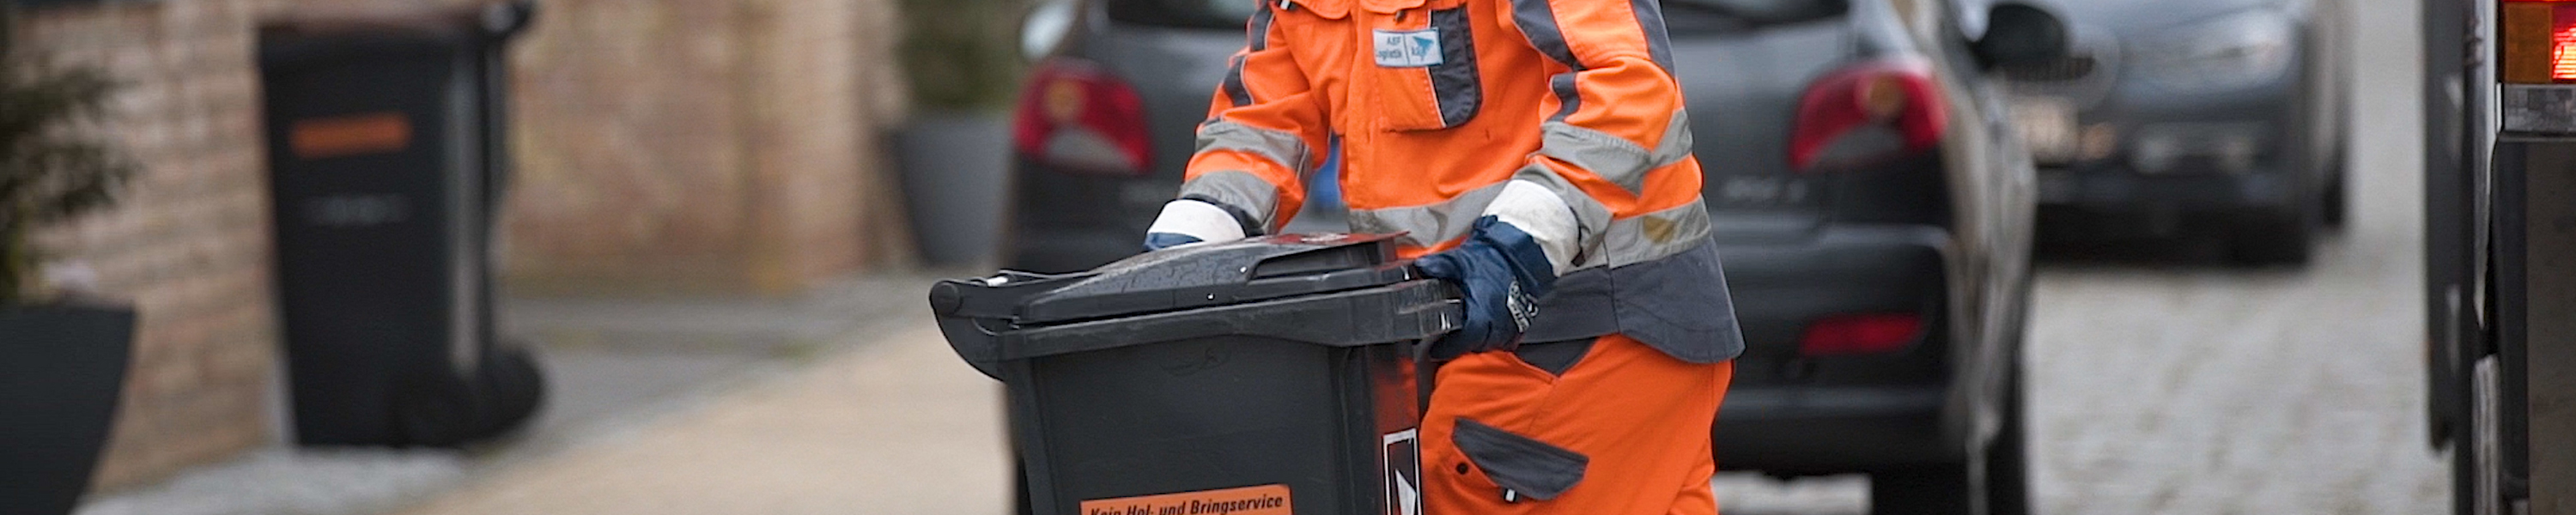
1188 221
1500 272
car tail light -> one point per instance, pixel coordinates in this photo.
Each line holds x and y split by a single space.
2536 64
1076 117
1887 96
1874 333
2537 40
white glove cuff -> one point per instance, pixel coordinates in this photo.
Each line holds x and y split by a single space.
1543 215
1197 219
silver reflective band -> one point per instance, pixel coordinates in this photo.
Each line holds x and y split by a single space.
2540 108
1656 235
1238 189
1428 224
1277 146
1615 158
1625 241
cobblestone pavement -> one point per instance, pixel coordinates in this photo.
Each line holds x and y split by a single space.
2172 386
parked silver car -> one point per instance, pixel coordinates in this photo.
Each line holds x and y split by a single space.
2175 117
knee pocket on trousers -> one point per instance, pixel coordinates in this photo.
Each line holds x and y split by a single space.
1519 464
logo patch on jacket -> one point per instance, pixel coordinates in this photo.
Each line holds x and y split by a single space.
1408 49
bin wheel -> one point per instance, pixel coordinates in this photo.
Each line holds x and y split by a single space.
435 409
512 388
2274 237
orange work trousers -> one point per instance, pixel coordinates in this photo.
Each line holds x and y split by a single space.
1634 421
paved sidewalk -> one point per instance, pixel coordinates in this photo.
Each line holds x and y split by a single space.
897 426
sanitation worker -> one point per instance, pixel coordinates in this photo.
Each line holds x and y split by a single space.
1535 153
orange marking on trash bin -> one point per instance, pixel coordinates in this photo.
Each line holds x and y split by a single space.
338 136
1250 500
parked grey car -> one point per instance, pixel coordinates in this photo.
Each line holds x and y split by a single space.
2176 117
1871 203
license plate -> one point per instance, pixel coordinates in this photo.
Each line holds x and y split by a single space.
2047 128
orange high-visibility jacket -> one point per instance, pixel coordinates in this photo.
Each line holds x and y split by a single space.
1442 104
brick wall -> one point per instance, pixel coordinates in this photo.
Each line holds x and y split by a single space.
735 156
664 144
190 246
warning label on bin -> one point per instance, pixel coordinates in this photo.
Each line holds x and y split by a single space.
1250 500
1403 473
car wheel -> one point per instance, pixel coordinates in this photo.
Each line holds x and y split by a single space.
1944 489
1994 480
2477 471
2336 201
2273 237
2008 458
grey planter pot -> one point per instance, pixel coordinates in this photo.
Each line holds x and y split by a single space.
955 177
61 370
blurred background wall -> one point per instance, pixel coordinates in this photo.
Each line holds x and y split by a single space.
725 145
722 146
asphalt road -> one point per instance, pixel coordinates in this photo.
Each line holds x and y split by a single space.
2164 383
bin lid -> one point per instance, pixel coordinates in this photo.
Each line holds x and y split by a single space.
326 35
1194 276
1325 289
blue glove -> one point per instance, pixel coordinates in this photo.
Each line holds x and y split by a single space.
1501 273
1163 240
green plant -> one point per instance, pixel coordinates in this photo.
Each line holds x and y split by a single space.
50 168
962 54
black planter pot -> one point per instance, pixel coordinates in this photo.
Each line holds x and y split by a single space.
956 177
61 369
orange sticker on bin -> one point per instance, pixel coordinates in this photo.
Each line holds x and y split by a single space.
1250 500
370 133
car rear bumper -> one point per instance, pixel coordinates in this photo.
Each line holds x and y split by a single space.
1819 430
1067 222
2122 189
1791 414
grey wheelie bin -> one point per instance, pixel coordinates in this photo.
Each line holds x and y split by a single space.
1270 376
386 152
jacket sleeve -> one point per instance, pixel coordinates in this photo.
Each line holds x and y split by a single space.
1614 121
1261 134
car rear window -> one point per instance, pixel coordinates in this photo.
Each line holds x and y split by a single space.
1723 16
1679 15
1205 14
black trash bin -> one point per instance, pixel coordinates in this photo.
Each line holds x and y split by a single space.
1270 376
385 148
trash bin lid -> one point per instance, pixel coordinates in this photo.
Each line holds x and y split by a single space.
1195 276
328 35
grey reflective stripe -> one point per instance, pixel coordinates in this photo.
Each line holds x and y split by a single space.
1237 189
1567 98
1655 235
1615 158
1278 146
1258 36
1429 224
1588 213
1454 81
1650 21
1537 20
1234 90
